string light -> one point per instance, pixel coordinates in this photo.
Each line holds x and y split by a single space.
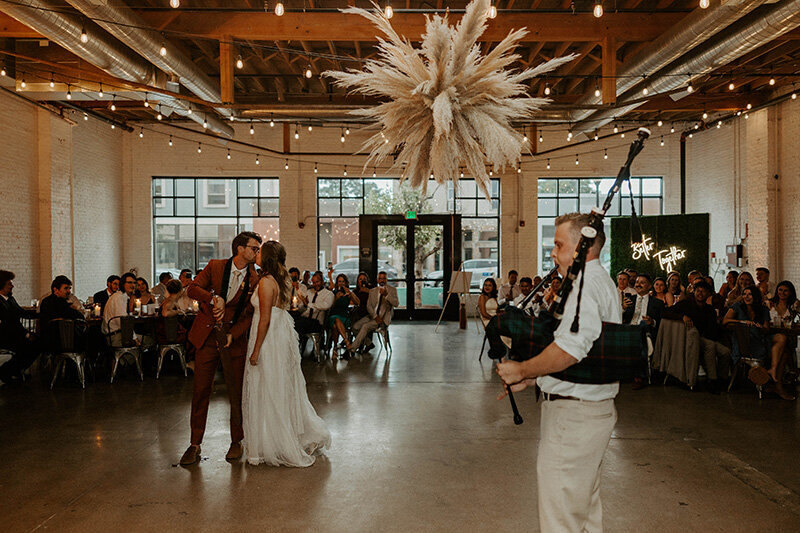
252 129
159 116
772 81
461 172
52 83
286 165
189 110
577 161
375 171
23 84
541 138
388 12
547 89
345 171
308 72
69 93
271 122
672 129
746 116
113 127
113 103
691 135
719 124
257 160
519 168
100 94
310 127
84 36
731 86
524 137
296 133
279 9
205 122
569 136
704 4
141 133
315 168
622 136
548 164
146 103
596 135
163 50
616 129
662 140
239 62
596 90
605 153
170 141
199 148
697 126
229 154
597 11
3 71
492 10
749 107
342 137
85 116
347 132
705 115
660 123
175 4
645 90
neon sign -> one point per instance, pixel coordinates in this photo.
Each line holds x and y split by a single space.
667 258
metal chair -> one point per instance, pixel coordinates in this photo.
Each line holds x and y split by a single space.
123 343
745 363
481 328
67 350
383 338
171 345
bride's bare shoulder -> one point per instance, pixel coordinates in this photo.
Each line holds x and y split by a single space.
268 282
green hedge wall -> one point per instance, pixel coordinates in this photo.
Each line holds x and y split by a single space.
688 232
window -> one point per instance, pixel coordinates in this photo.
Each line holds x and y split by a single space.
195 219
341 200
558 196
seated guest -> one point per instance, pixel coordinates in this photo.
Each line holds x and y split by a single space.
13 335
696 313
632 275
675 291
510 290
57 306
487 301
525 287
185 277
307 278
380 305
121 303
171 304
623 287
715 300
101 297
160 290
730 283
536 280
744 280
751 312
762 282
313 306
297 289
143 292
643 308
551 292
782 316
170 308
660 289
363 288
339 318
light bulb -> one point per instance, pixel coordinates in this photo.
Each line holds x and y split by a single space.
345 171
69 93
229 154
689 88
342 137
541 139
704 4
749 106
175 4
23 84
548 164
286 165
519 168
605 154
691 135
141 133
731 86
375 172
239 62
524 138
199 148
577 162
492 11
146 103
170 140
310 128
163 50
772 81
205 123
308 72
113 106
616 129
660 123
271 123
697 126
547 89
645 91
85 116
113 127
705 115
52 83
491 172
315 168
598 9
231 118
159 116
257 161
462 173
597 91
672 129
719 124
596 136
296 133
252 129
347 131
569 136
84 36
3 72
662 141
794 96
100 93
746 116
279 10
622 135
189 110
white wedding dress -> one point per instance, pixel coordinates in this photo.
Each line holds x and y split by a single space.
281 426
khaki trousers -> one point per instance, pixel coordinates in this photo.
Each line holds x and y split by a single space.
574 437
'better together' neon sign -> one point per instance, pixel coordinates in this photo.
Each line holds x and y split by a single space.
667 258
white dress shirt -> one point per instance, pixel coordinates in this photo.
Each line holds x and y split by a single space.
518 301
318 303
507 292
235 281
599 303
116 306
640 310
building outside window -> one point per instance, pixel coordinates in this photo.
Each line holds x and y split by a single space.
195 219
558 196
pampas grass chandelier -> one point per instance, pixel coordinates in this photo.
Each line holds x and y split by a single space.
445 105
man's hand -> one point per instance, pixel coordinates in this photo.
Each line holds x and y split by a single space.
626 303
230 341
688 322
516 387
219 308
382 290
649 320
510 372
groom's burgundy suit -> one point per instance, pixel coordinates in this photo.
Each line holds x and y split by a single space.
216 276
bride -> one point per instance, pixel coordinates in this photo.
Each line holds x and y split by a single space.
280 424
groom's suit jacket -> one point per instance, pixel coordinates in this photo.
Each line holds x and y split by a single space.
216 276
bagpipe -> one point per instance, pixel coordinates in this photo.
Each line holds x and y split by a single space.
615 356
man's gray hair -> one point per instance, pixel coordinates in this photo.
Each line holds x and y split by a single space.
576 222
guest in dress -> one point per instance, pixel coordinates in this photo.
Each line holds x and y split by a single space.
363 286
339 319
750 312
744 280
487 301
783 346
730 283
675 291
160 290
143 292
101 297
170 307
660 289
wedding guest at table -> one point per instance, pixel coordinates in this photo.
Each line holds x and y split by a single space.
160 290
536 280
57 306
696 313
185 277
675 291
730 283
170 306
101 297
487 301
120 304
13 335
660 289
143 293
298 290
509 291
339 318
744 280
762 282
783 345
313 306
715 300
307 278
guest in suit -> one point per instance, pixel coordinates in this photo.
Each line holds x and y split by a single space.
160 290
57 306
121 303
101 297
380 306
223 288
13 335
645 309
313 306
510 290
363 288
185 277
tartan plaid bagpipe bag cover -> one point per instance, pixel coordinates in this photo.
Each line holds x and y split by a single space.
617 355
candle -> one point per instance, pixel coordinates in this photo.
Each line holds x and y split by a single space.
195 306
138 306
97 310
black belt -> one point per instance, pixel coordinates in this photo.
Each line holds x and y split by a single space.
553 397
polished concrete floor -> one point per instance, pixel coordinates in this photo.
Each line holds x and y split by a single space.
419 443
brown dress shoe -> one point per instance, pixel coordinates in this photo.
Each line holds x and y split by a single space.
190 456
234 452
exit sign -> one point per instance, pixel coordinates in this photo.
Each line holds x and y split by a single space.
411 215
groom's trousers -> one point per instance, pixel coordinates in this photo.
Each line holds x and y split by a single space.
206 363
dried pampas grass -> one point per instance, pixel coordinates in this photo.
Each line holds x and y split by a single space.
446 105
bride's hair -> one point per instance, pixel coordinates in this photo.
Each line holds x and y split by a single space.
273 262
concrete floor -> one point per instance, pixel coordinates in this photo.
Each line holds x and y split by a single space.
419 443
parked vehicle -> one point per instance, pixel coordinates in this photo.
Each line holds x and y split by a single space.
349 268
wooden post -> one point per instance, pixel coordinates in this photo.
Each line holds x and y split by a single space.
609 86
226 69
287 143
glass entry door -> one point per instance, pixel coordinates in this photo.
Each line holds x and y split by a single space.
417 255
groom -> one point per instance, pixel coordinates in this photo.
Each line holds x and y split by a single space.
232 282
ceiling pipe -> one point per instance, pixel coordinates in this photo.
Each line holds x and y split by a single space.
101 50
742 38
127 26
697 27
